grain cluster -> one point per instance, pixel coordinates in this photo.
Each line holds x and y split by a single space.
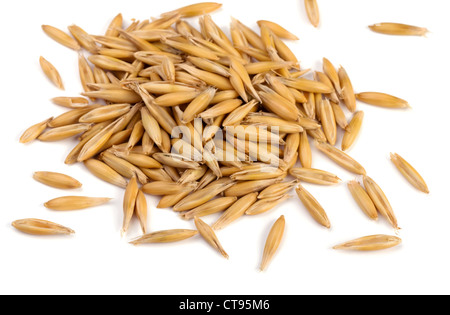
210 123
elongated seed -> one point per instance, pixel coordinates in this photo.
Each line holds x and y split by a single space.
352 131
340 157
175 160
71 117
203 195
96 143
74 202
166 236
277 190
313 206
84 39
198 105
210 207
339 115
235 211
371 242
278 29
362 199
382 100
151 126
328 121
104 172
141 211
57 180
123 167
264 205
273 242
306 85
34 131
330 70
104 113
209 236
115 96
312 10
129 203
64 132
165 188
245 187
380 200
347 92
51 73
176 98
304 150
409 172
61 37
315 176
398 29
140 160
40 227
171 200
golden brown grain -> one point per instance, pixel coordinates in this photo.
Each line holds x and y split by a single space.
382 100
315 176
60 133
104 172
51 73
40 227
341 158
166 188
57 180
409 172
264 205
235 211
313 206
398 29
370 243
328 121
210 207
34 131
75 202
352 131
312 10
380 200
304 150
347 92
362 199
273 242
209 236
61 37
165 236
330 70
129 203
277 29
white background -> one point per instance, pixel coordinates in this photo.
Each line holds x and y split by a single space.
96 260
